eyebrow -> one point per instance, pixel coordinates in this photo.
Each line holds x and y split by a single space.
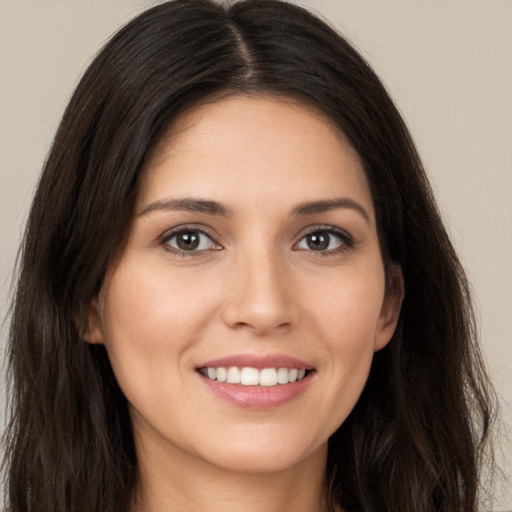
313 207
214 208
187 205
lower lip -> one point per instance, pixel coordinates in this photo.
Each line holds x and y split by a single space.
258 397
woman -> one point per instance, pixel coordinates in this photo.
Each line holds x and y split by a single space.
235 290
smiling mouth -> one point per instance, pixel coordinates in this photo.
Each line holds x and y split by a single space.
248 376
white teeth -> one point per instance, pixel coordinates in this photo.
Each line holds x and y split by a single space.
282 376
248 376
233 376
268 377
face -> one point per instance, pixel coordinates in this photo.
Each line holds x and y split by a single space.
242 318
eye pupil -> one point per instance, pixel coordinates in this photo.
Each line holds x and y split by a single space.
188 241
318 241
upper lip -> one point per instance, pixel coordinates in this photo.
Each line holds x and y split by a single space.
257 361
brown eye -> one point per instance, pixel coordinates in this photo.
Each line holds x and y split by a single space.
318 241
325 240
190 241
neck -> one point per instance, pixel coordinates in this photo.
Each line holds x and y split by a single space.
175 482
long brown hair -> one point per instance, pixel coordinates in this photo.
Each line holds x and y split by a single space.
414 441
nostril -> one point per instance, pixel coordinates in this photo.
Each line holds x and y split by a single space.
247 314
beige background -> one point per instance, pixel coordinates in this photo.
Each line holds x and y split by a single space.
447 63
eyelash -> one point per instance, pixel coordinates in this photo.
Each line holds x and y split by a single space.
347 242
168 236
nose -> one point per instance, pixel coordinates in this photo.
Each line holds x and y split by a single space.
261 295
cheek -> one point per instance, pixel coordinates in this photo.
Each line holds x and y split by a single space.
348 304
149 317
346 315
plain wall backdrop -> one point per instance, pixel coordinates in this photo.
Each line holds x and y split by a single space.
447 63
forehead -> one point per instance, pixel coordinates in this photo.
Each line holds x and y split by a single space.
238 146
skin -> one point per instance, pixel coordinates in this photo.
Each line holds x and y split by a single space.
254 286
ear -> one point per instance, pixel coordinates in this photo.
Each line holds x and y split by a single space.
391 307
94 330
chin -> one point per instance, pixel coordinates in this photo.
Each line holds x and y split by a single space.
265 454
